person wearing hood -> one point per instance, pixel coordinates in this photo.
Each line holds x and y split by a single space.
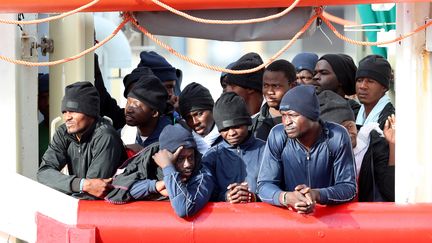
186 182
234 162
196 107
86 143
249 85
336 72
306 161
373 149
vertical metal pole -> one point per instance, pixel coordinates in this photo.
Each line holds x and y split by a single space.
414 108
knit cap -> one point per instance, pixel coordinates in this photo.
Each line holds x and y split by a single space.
301 99
334 108
195 97
150 90
230 110
81 97
375 67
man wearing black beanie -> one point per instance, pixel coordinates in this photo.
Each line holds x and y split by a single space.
146 103
234 162
249 85
86 143
306 161
196 107
372 82
336 72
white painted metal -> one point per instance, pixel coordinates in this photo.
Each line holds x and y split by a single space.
26 98
24 198
414 108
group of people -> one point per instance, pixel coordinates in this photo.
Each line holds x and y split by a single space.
293 134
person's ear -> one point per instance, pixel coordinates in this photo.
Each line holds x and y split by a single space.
155 113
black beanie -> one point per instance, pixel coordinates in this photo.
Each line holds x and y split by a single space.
195 97
230 110
301 99
345 70
150 90
134 76
159 65
174 136
81 97
334 108
249 80
375 67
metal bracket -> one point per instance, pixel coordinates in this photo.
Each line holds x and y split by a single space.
46 45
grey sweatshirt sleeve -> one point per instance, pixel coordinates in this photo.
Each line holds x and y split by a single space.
187 198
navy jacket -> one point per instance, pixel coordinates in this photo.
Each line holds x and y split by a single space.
230 164
328 166
154 137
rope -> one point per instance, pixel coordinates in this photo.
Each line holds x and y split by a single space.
37 64
367 43
38 21
218 21
220 69
338 20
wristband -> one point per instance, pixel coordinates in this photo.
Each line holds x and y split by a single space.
81 187
284 199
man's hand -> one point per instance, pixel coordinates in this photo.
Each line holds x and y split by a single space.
239 193
160 187
390 129
163 158
97 187
312 197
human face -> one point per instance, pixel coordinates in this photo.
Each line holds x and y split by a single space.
296 125
77 123
235 135
138 113
240 91
185 163
325 77
369 91
169 86
275 85
352 131
305 77
200 121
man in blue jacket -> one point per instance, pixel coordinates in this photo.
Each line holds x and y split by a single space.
187 184
234 162
306 161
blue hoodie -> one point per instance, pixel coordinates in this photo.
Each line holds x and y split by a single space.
328 166
229 164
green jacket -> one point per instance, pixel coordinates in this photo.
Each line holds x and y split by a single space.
98 155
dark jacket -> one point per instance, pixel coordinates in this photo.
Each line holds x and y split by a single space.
328 166
139 168
98 155
230 164
263 123
154 137
375 169
385 113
